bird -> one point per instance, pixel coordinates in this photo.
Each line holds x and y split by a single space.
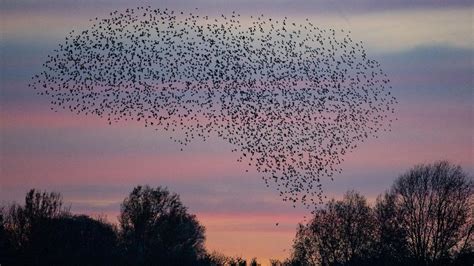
292 98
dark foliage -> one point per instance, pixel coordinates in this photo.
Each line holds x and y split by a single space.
6 250
157 229
23 224
74 240
42 232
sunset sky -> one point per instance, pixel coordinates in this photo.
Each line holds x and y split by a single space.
426 48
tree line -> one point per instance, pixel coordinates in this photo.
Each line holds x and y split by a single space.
154 228
425 218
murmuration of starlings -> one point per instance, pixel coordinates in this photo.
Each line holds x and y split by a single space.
291 97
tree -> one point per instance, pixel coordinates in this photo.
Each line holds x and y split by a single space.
305 246
237 261
22 223
43 232
254 262
392 246
434 204
340 233
215 259
6 255
3 233
426 218
157 229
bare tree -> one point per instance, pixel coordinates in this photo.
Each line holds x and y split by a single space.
392 244
340 233
434 204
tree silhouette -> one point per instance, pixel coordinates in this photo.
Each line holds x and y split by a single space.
340 233
23 223
215 259
6 252
157 229
43 232
426 218
254 262
236 261
392 246
434 204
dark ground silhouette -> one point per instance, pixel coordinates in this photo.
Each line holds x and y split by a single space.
425 218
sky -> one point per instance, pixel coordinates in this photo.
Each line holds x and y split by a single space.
425 47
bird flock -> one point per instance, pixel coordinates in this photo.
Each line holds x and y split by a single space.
291 97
